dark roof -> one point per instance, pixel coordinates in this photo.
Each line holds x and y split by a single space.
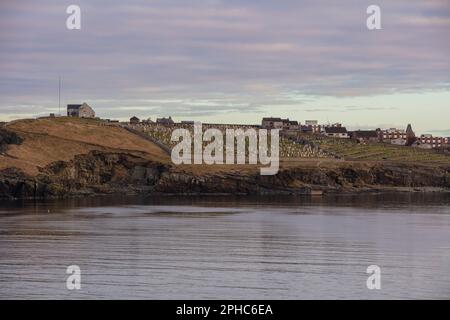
164 120
409 130
365 134
336 130
134 118
272 119
293 123
74 106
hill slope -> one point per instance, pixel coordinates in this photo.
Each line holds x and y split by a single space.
60 139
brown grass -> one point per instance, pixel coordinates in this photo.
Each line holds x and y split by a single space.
53 139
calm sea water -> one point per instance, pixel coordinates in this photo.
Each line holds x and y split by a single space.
227 248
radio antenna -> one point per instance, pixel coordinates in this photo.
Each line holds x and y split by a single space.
59 95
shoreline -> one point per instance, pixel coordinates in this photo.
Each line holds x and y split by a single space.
168 195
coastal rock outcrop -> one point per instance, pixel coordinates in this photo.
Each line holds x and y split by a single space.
345 178
107 173
94 173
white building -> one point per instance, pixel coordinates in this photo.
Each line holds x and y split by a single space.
392 134
337 132
80 110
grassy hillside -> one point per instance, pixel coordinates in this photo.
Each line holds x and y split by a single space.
352 150
52 139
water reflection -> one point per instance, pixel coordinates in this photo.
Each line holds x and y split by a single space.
227 247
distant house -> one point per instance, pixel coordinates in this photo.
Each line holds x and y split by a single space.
290 125
391 134
80 110
278 123
165 121
134 120
337 132
293 125
365 135
272 123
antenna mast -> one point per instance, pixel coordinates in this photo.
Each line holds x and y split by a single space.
59 96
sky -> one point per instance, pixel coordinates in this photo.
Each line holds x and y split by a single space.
235 61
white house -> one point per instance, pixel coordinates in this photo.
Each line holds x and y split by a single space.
80 110
337 132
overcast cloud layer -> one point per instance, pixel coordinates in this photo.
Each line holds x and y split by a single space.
227 60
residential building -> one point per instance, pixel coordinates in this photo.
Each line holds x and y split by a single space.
390 134
278 123
434 142
291 125
165 121
272 123
134 120
80 110
337 132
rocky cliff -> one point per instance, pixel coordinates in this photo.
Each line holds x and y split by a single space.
106 173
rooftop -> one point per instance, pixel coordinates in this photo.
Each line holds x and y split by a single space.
336 130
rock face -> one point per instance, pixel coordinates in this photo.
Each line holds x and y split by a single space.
106 173
306 180
94 173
